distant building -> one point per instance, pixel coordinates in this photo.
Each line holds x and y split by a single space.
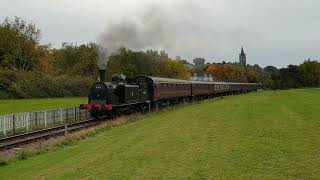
242 58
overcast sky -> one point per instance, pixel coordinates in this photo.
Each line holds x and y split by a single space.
275 33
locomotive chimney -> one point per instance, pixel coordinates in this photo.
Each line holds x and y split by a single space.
102 62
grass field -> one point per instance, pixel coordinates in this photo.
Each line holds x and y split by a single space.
254 136
25 105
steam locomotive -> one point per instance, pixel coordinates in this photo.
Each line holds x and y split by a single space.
141 93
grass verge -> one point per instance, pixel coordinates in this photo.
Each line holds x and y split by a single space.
8 106
25 152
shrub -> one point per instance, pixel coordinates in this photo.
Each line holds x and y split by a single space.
21 84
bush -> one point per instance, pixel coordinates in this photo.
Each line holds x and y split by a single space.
21 84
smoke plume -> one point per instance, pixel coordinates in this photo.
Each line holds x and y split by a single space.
156 26
186 29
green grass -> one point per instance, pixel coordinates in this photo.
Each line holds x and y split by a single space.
26 105
253 136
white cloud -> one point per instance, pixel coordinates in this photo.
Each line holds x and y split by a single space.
273 32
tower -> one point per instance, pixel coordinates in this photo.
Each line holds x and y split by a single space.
242 58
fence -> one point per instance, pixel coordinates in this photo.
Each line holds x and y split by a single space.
11 124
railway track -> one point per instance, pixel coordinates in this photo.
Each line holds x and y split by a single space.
43 134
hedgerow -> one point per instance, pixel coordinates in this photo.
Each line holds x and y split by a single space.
31 84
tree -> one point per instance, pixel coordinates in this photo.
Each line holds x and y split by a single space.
173 69
276 81
291 77
77 60
46 59
265 77
131 63
226 72
310 73
270 70
19 42
199 61
251 75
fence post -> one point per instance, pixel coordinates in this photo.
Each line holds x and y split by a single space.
45 118
36 119
4 125
14 124
27 118
61 116
54 117
22 120
75 114
79 114
67 115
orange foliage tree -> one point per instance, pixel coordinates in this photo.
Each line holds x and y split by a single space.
225 72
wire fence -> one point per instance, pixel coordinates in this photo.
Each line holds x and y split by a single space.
11 124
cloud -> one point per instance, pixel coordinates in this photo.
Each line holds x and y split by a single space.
273 33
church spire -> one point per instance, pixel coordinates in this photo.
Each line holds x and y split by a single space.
242 51
242 58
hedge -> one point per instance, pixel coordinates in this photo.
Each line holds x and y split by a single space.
21 84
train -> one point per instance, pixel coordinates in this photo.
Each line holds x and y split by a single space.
141 93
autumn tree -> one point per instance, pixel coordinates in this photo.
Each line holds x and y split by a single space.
173 69
46 59
18 44
225 72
